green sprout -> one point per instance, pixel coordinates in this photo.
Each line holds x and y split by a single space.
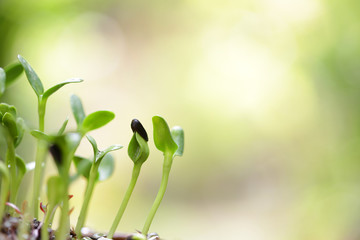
99 169
14 128
171 143
42 98
138 151
62 147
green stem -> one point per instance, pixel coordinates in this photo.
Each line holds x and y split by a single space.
164 181
46 222
11 163
134 177
38 176
4 188
88 194
39 161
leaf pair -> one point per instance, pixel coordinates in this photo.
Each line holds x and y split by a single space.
168 141
102 161
92 121
15 125
8 75
37 85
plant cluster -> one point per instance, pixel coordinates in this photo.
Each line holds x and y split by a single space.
62 147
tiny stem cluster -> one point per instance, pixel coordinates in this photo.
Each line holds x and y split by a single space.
62 146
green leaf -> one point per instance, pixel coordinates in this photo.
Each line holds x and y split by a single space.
93 144
41 136
103 153
63 126
32 77
53 89
9 122
96 120
2 81
83 166
21 168
7 108
77 109
55 190
162 136
178 135
106 168
20 124
13 71
138 149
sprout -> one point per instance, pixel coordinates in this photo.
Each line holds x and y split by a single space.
138 152
171 144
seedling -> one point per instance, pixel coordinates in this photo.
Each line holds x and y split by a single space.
62 147
171 144
138 152
101 168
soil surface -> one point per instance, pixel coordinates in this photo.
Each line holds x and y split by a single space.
10 228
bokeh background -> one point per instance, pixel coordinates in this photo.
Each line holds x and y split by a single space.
268 93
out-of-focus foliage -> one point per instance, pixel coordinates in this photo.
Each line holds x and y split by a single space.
266 90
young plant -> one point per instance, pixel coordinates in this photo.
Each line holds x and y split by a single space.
42 97
171 144
138 151
99 169
13 128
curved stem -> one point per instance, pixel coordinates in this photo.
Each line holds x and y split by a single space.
46 222
124 203
4 188
164 181
88 193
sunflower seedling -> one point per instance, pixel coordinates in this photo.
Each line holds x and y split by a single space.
138 152
171 144
99 169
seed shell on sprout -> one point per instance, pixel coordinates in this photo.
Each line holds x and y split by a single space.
136 126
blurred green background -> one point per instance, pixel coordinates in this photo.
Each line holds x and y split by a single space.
268 93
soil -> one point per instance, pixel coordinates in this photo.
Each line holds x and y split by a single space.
9 230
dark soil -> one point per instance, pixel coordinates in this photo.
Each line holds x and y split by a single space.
9 231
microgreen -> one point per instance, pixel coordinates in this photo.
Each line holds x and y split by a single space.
100 169
138 152
62 146
171 144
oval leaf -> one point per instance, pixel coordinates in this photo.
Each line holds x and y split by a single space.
106 168
10 122
2 81
32 77
7 108
13 71
77 109
83 166
53 89
178 135
162 136
20 125
21 168
96 120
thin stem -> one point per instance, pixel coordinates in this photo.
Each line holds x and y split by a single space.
164 181
4 189
11 163
38 175
39 160
88 194
134 177
46 222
